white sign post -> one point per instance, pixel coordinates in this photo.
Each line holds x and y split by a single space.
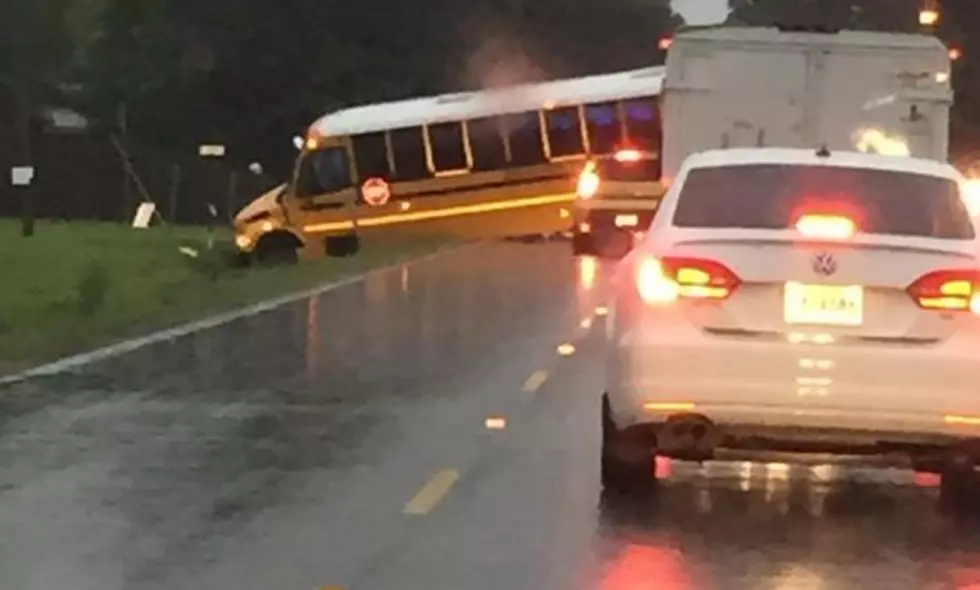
211 151
21 175
144 213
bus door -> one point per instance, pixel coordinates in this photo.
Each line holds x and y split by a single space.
324 194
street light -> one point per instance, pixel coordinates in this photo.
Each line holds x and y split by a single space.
929 14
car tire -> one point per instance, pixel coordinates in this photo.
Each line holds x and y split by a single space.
614 244
958 487
627 457
583 244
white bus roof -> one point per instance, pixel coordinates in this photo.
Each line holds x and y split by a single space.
485 103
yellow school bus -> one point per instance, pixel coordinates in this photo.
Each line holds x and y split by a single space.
480 164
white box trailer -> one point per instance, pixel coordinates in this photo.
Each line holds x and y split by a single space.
730 86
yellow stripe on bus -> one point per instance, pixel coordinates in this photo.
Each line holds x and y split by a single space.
442 213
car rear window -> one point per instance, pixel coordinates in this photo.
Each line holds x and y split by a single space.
638 171
773 196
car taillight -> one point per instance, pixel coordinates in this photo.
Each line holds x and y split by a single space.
947 290
831 227
664 280
588 182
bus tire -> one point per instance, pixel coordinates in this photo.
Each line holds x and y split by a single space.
343 246
277 248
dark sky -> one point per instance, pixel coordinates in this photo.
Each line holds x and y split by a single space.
702 11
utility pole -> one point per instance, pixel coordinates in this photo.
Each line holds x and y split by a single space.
22 170
122 125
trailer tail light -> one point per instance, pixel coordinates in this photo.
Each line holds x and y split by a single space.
628 155
947 290
665 280
588 182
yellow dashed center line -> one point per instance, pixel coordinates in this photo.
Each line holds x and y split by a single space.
432 493
535 381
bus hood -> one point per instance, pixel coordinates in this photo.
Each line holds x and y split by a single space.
265 205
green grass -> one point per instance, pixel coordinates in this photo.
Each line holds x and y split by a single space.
75 286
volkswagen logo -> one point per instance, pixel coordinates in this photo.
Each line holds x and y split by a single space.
824 264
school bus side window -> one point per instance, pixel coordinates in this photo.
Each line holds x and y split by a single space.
487 144
408 148
564 132
603 124
526 147
643 123
448 149
323 171
371 156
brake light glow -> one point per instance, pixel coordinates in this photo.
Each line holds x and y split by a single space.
653 283
830 227
628 156
947 290
588 182
970 192
665 280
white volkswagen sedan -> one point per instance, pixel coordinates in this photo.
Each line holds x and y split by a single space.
799 301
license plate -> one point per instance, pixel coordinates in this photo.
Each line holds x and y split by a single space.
823 304
627 221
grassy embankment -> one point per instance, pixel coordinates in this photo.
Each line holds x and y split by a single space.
75 286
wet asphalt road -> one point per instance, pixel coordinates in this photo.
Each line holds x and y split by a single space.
418 430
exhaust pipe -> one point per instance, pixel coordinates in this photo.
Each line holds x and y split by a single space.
688 437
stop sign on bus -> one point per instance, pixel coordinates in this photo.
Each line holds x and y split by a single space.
375 191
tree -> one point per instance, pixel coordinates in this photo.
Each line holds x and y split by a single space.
881 15
252 73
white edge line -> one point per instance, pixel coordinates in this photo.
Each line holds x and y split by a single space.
120 348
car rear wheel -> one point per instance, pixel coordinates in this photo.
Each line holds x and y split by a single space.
627 463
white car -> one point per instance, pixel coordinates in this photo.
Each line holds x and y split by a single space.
798 301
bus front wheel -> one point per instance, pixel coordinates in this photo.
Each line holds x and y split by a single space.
277 248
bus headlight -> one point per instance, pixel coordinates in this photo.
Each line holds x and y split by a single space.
242 241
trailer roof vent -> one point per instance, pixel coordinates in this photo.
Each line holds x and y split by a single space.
798 28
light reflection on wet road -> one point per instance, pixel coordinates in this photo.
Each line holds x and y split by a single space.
344 441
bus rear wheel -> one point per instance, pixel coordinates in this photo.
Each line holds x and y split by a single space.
343 246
